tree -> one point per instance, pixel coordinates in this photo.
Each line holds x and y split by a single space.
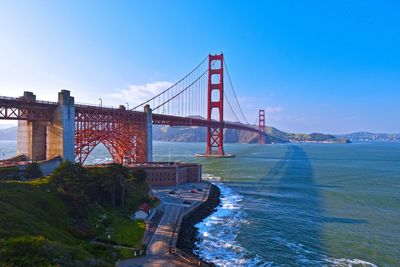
108 185
33 170
121 175
122 182
139 176
71 177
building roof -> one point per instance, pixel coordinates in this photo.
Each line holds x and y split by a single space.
144 207
162 164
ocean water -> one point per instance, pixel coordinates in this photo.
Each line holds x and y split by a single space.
301 204
297 204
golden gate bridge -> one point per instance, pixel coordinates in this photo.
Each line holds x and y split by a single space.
48 129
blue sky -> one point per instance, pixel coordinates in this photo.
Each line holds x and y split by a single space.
317 66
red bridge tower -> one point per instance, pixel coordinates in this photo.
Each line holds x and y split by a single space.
261 126
215 101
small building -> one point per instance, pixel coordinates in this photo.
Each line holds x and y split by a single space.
170 173
143 212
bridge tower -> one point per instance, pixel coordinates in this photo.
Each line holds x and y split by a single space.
215 97
261 126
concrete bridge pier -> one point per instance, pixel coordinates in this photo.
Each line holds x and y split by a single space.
61 131
41 140
31 135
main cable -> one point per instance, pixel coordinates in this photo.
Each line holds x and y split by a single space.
233 89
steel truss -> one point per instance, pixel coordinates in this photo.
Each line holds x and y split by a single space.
122 132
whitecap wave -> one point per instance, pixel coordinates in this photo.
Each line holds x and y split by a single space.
306 256
218 240
349 263
218 234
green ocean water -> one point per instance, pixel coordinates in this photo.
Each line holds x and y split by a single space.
303 204
297 204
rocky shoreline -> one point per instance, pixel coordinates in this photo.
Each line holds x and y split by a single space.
188 232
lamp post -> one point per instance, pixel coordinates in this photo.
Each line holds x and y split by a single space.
101 102
127 105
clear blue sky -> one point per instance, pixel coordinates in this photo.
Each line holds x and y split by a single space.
317 66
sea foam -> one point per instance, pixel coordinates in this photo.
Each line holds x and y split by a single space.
218 238
218 233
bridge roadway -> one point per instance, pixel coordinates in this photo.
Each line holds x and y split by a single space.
49 129
14 108
172 206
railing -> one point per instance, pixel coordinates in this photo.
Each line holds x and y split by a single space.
88 105
24 100
187 257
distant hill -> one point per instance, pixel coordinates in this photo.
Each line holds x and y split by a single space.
198 134
367 136
8 133
273 135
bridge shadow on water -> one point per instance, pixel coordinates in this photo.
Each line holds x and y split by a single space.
295 212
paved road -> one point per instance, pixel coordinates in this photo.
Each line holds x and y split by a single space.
159 243
172 205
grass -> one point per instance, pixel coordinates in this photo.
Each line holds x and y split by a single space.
124 232
33 208
34 220
34 182
125 253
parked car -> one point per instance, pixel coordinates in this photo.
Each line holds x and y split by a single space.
193 191
172 192
187 202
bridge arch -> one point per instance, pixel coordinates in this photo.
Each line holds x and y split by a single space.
122 133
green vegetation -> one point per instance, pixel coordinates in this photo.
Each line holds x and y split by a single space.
29 209
50 221
124 232
33 170
39 251
9 172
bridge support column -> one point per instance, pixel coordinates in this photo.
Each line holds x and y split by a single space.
261 126
61 132
31 136
215 135
149 135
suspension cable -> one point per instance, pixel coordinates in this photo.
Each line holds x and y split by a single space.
229 103
233 89
147 101
187 87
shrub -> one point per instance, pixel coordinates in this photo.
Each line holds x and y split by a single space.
33 171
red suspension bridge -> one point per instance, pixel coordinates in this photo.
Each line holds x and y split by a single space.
48 129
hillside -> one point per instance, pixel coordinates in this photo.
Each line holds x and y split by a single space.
8 133
366 136
198 134
50 221
273 135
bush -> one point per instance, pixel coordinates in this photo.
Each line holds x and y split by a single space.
9 173
33 171
38 251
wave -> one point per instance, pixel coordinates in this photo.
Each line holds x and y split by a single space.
218 233
349 262
307 257
218 239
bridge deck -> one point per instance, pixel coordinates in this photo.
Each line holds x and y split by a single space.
14 108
